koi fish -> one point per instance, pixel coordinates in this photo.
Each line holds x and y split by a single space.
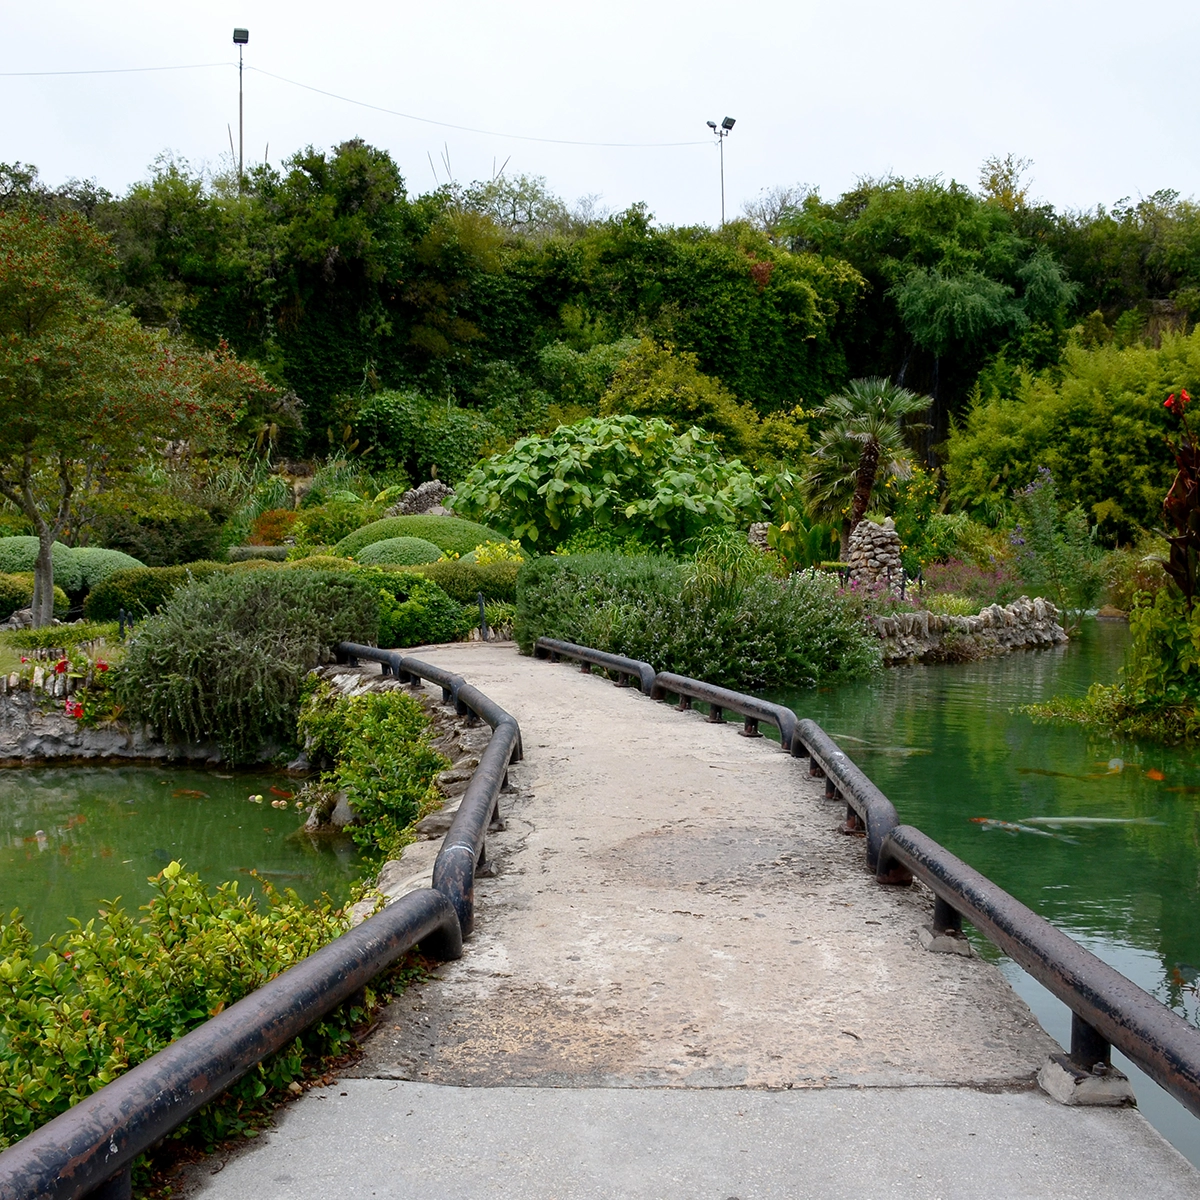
280 792
1015 827
191 792
1157 776
1056 822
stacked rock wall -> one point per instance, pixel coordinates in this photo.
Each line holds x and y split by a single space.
874 555
929 637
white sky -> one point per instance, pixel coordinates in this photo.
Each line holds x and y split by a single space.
1098 94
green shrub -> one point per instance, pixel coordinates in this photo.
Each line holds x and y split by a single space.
414 611
143 590
160 531
399 551
91 1003
13 595
238 554
225 658
737 627
635 476
329 523
322 562
382 760
59 637
451 535
62 605
417 433
947 604
19 554
97 564
464 580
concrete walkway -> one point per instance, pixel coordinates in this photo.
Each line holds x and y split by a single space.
680 938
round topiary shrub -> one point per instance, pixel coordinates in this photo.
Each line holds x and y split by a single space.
143 590
452 535
399 551
20 554
97 564
13 595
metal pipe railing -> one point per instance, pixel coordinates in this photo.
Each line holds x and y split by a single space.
624 668
1108 1009
464 848
720 699
88 1149
84 1148
868 810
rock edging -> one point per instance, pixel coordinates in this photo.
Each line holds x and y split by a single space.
33 728
997 629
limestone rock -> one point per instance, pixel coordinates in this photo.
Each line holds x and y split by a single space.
874 555
430 497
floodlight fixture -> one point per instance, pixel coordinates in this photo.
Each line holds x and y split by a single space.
240 38
722 133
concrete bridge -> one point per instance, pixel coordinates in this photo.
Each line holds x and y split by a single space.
684 983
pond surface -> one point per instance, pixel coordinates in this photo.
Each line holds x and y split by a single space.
72 837
947 746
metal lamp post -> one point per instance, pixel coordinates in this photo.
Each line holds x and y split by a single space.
722 132
240 38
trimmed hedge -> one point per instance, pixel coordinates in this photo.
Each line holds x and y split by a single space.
753 632
237 554
452 535
142 591
62 605
20 554
399 551
465 580
97 564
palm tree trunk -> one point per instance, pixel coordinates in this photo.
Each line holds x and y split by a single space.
868 465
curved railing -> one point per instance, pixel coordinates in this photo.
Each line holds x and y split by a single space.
88 1150
1107 1009
623 668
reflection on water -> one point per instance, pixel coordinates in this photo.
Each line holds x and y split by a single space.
72 837
1099 835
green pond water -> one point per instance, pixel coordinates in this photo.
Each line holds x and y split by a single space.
948 747
72 837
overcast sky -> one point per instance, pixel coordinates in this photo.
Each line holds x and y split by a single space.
1097 94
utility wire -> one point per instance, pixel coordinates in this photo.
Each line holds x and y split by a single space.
521 137
113 70
391 112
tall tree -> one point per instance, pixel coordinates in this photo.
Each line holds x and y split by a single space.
84 389
864 435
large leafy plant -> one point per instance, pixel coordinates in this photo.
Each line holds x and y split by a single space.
625 473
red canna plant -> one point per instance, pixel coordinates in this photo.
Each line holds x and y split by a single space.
1182 504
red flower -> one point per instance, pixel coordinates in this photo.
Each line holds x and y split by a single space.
1183 395
101 665
60 667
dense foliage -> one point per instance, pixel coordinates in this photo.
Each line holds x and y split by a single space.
112 992
465 581
224 660
740 628
1097 422
381 759
637 477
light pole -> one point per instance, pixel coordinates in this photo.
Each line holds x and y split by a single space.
722 132
240 38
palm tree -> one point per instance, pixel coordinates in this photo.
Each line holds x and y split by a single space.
863 436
